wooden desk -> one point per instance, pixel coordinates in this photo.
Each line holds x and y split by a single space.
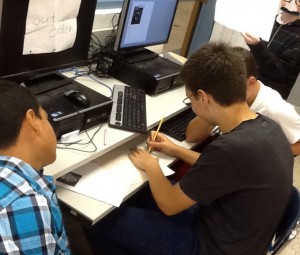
115 151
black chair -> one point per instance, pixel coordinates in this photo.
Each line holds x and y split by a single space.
289 225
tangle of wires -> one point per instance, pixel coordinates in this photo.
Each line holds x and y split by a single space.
89 141
98 53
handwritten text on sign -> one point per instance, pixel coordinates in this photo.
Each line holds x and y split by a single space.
51 26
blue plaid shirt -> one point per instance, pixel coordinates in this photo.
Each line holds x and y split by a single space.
30 219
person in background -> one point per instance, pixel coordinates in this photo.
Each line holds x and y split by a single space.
261 99
279 59
222 205
30 219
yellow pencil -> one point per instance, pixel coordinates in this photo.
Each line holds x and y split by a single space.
155 135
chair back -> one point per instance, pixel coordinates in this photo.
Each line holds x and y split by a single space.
289 224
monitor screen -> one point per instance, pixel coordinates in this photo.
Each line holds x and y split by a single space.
145 23
42 36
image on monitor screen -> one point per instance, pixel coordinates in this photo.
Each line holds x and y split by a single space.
137 15
144 23
21 59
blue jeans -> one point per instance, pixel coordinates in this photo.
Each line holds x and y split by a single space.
145 230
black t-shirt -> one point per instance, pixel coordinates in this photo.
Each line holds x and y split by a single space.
242 182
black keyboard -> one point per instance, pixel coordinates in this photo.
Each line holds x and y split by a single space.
176 126
128 109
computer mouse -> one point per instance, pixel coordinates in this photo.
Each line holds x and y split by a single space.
77 98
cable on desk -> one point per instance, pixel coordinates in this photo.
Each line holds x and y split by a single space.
90 141
79 73
110 89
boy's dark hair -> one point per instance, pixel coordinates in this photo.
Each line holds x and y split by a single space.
219 71
14 103
249 59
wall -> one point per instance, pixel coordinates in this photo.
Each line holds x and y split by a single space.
180 26
104 21
203 27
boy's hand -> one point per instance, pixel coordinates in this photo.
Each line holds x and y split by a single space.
142 159
250 39
162 144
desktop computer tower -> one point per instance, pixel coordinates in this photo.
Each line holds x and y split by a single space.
64 115
155 76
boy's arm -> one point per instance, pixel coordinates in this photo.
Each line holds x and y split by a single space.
167 147
168 197
28 227
296 148
197 130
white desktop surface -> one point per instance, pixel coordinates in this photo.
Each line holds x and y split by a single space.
118 142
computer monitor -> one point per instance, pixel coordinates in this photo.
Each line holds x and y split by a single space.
33 42
144 23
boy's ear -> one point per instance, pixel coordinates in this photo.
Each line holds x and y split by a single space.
32 120
202 94
251 81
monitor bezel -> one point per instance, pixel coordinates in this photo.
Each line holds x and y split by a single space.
32 67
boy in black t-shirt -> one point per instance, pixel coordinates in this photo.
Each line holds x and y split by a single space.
232 198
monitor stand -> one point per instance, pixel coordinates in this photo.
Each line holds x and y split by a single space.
132 56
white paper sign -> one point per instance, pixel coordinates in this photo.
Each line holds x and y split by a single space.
51 26
255 17
227 35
